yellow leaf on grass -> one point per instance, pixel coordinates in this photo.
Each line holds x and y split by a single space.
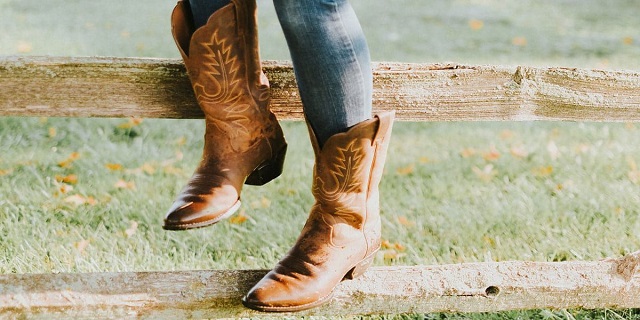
492 155
70 179
405 222
67 162
390 254
239 218
133 122
52 132
5 172
113 166
65 188
476 24
544 171
406 170
627 40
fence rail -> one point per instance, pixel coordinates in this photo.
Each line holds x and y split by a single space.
159 88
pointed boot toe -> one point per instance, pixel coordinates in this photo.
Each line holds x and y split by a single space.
197 212
273 295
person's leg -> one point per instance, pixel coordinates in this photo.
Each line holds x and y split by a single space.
331 62
203 9
342 234
243 142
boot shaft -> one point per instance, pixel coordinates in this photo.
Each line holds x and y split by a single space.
222 57
347 172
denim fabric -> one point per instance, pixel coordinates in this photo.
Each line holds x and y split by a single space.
330 58
203 9
331 62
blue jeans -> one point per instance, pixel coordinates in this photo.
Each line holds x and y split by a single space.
330 58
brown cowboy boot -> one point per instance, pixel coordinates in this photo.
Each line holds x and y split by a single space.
243 142
342 233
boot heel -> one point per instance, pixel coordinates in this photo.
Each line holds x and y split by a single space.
360 268
268 170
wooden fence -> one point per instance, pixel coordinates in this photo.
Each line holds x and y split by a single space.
159 88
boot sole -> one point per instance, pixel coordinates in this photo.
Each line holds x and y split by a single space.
202 224
353 273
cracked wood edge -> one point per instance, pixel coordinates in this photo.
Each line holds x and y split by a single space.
159 88
467 287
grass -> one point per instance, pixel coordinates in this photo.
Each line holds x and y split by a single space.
88 195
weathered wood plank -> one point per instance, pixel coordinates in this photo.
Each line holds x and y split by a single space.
470 287
159 88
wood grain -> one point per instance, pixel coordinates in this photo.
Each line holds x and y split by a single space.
159 88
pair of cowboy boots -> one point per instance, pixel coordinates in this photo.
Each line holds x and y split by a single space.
244 144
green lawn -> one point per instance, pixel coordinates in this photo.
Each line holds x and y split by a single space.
87 195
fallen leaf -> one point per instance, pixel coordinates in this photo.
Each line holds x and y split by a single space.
52 132
424 160
390 254
492 155
400 247
627 40
5 172
405 222
406 170
544 171
65 188
239 218
70 179
113 166
476 24
67 162
132 122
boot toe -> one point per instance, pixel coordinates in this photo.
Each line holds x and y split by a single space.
275 296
